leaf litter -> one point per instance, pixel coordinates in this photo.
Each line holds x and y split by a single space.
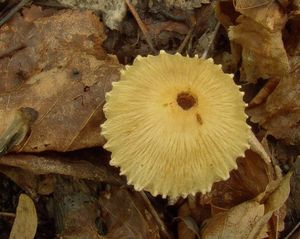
54 76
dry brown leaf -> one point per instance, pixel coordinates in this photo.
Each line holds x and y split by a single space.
246 183
235 223
280 114
25 223
66 75
263 57
270 15
248 220
250 179
273 203
126 215
43 165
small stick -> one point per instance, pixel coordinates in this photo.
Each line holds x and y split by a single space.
262 95
7 214
141 24
13 11
205 53
186 39
155 215
292 232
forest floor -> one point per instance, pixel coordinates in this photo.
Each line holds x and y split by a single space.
59 58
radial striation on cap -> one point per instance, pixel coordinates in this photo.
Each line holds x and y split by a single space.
175 125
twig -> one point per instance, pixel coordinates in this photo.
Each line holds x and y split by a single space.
264 92
13 11
205 53
7 214
292 232
141 25
186 39
156 217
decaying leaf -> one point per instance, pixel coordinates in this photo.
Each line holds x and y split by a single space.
64 76
126 215
273 202
235 223
250 179
270 15
44 165
25 224
246 183
248 220
263 58
280 114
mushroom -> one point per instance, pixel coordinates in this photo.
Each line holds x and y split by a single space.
175 124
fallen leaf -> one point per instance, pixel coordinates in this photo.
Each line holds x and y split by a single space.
280 114
270 15
249 220
25 223
235 223
126 215
250 179
65 75
273 202
263 58
81 169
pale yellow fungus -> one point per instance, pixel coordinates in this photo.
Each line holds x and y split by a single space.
175 125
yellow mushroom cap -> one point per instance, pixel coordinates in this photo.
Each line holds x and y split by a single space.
175 125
